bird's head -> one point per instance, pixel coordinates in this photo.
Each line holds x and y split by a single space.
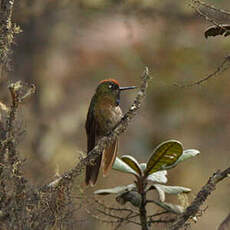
111 88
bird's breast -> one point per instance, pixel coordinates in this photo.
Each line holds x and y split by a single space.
107 117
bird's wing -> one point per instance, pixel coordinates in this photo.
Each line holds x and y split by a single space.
91 126
109 156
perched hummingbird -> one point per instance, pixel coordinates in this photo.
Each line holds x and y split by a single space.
103 114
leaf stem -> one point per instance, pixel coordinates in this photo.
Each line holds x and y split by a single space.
141 183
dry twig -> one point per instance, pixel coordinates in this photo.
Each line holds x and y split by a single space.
225 65
225 225
207 189
212 7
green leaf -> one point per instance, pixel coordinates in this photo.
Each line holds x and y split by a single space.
133 163
162 189
187 154
165 154
123 167
115 190
159 177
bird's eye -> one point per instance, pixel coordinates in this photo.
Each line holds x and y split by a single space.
110 86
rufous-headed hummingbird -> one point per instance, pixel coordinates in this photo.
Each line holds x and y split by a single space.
103 114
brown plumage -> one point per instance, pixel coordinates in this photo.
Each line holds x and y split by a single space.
103 114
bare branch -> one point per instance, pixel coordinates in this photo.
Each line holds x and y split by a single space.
162 221
225 65
158 214
207 189
225 225
212 7
115 209
17 96
118 218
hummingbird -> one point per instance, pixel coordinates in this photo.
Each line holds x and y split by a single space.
103 114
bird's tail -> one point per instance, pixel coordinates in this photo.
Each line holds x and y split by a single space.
92 172
109 156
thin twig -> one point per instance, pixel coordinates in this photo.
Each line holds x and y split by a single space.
220 69
162 221
211 7
115 213
114 209
207 189
225 224
158 214
122 221
151 221
111 221
103 142
117 217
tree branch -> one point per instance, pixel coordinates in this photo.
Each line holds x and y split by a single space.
7 31
212 7
207 189
8 144
142 208
225 65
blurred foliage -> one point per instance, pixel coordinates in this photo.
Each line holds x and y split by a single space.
67 47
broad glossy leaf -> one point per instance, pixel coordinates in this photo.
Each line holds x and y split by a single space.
159 177
123 167
165 154
115 190
133 163
187 154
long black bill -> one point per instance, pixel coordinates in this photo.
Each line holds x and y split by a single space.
128 87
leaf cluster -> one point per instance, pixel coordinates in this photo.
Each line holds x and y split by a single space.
150 176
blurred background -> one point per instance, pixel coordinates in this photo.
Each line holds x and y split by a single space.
67 47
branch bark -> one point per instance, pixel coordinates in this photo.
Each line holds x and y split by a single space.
207 189
7 31
225 65
142 209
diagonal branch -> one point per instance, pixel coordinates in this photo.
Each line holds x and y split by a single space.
120 128
212 7
207 189
225 65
